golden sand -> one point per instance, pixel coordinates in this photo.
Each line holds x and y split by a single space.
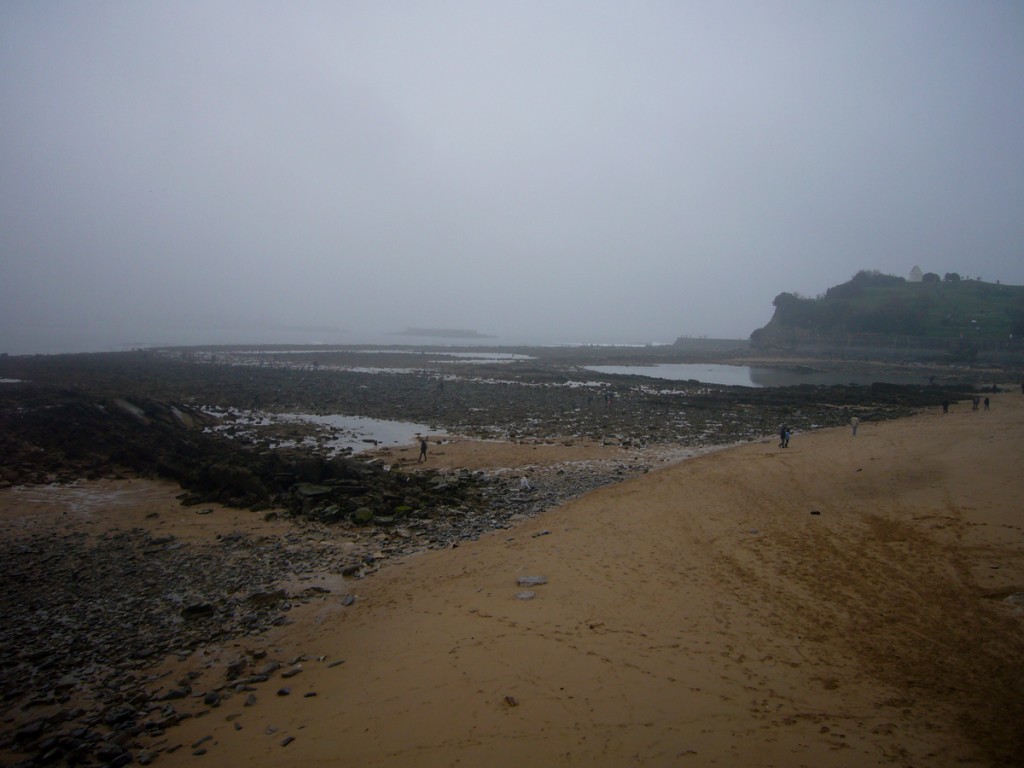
837 603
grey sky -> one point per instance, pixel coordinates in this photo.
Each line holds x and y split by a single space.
571 171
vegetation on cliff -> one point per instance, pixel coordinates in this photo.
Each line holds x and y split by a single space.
872 306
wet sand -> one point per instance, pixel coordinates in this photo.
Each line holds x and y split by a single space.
838 603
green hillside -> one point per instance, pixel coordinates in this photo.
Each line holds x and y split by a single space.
874 306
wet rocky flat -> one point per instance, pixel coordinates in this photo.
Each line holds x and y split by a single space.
91 618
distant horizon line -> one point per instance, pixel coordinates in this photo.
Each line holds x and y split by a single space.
65 346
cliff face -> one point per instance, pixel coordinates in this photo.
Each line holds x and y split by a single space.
881 315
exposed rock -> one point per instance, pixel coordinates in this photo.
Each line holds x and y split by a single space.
531 581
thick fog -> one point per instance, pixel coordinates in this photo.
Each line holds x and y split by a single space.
557 171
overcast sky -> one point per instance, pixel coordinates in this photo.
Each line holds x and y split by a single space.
571 171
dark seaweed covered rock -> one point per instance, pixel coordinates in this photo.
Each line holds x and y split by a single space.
70 434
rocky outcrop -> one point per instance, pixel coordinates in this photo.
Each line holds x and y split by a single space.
76 435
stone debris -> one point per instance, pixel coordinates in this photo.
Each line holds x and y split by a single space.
531 581
93 615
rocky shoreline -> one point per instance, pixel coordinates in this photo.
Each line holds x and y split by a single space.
93 617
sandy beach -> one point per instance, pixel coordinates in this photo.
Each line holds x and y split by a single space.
841 602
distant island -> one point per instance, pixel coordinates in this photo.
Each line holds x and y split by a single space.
444 333
925 317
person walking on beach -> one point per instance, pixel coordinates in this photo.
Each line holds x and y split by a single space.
853 425
945 406
986 403
423 450
784 437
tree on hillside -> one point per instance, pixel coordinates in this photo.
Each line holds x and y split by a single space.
930 277
792 310
875 279
952 277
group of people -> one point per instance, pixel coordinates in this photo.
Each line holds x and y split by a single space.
784 434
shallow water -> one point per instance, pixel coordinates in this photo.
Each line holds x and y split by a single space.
749 376
359 433
491 357
337 433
